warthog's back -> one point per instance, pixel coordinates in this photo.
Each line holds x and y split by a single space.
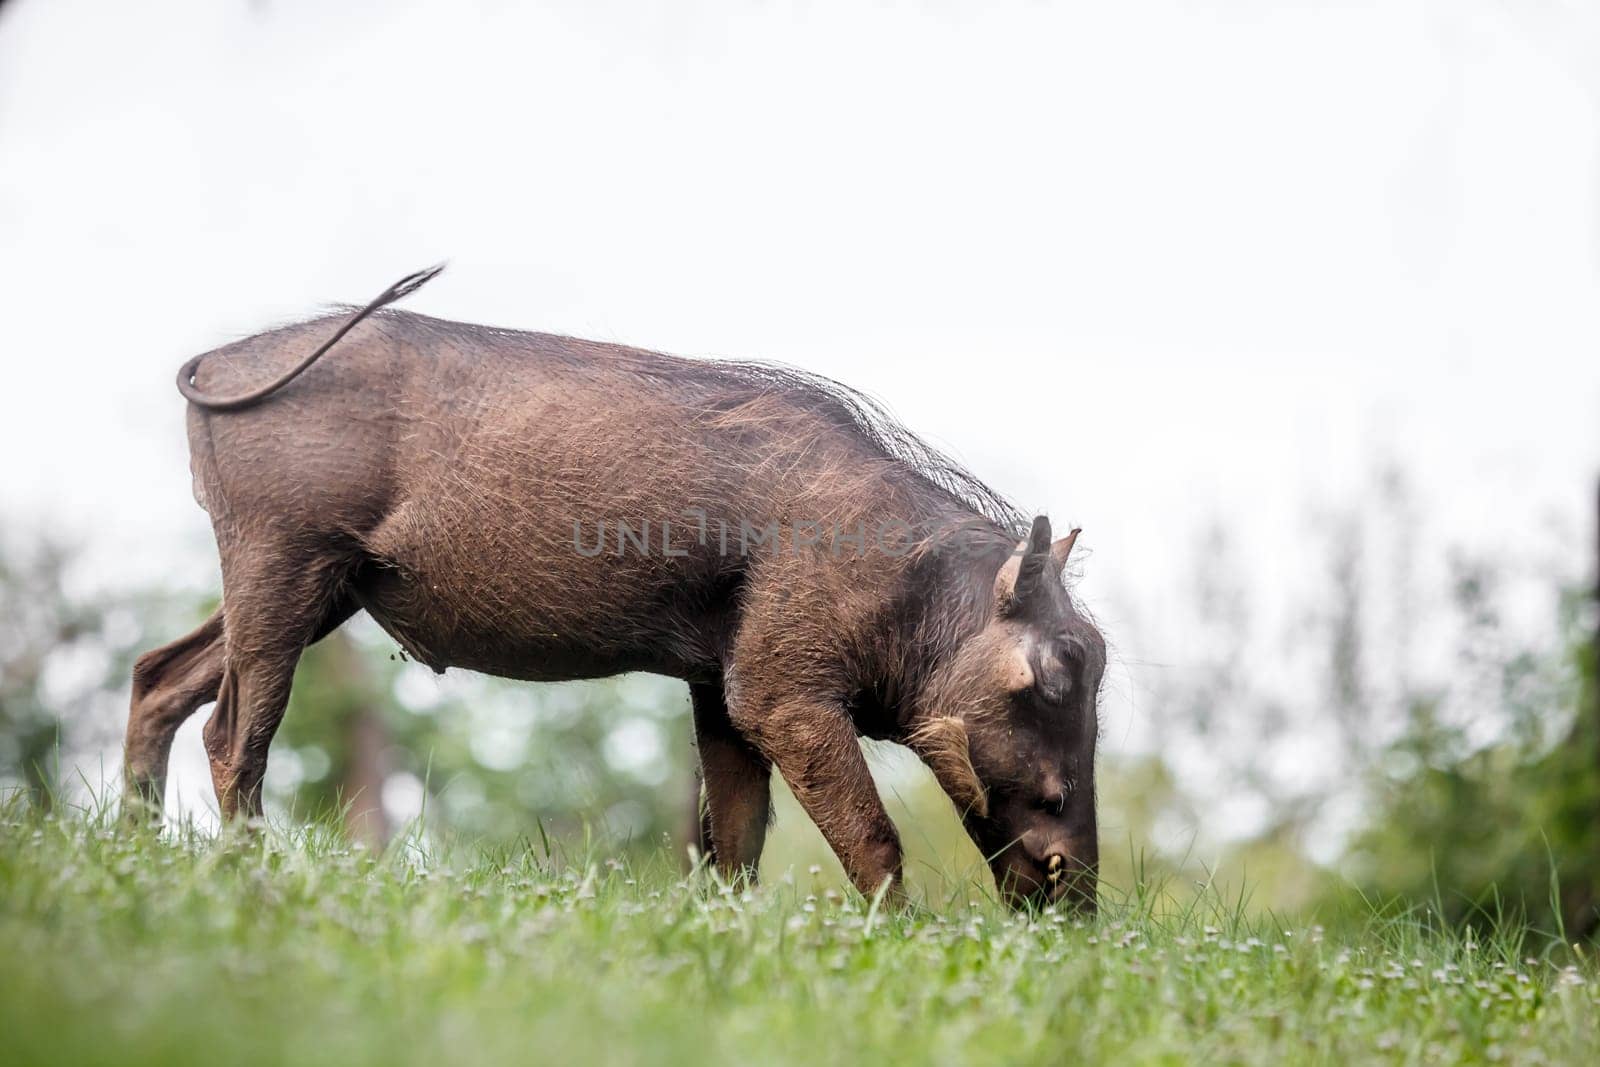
542 506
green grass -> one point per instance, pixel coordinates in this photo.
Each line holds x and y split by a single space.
291 948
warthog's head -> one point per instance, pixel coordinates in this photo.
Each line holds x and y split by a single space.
1011 728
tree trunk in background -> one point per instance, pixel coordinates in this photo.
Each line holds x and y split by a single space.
366 746
1580 896
1594 666
1587 916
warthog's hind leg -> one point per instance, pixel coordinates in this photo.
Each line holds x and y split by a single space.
738 782
278 602
169 684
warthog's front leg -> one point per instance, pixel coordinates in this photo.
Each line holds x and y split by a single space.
814 747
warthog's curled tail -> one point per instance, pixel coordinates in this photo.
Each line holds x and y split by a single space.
402 288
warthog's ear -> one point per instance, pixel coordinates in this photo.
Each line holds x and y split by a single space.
1063 548
941 741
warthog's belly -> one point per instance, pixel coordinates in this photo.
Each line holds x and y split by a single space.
543 619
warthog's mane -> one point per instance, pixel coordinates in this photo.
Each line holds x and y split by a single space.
727 384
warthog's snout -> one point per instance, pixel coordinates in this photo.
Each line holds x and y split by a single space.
1059 873
1070 881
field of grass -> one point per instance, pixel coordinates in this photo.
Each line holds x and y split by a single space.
289 947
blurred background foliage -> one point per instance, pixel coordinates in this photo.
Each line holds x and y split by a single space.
1467 790
65 657
1511 825
386 741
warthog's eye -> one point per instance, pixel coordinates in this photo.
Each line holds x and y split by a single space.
1055 805
1054 684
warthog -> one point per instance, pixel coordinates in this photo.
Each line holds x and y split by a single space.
545 508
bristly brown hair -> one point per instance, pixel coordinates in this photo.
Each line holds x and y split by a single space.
730 385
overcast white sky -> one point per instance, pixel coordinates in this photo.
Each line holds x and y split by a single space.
1142 265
